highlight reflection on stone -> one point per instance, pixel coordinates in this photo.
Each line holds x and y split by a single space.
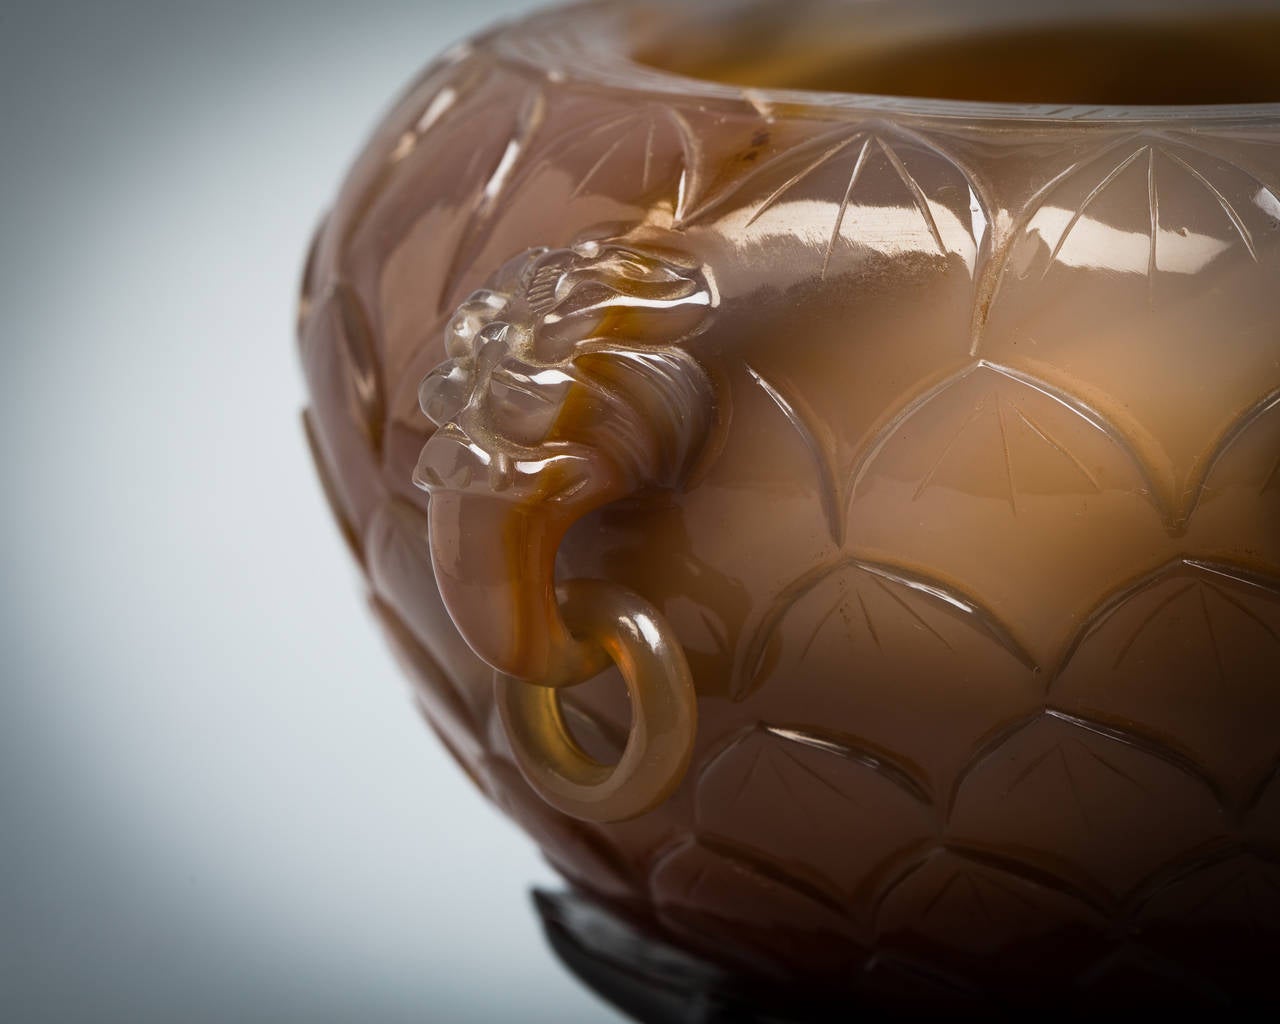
933 448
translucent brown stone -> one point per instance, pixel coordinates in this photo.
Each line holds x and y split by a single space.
931 446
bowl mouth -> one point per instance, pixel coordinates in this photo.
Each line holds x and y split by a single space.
598 42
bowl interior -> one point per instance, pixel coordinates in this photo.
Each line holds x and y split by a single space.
1118 52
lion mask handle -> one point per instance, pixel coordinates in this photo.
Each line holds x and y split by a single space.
566 389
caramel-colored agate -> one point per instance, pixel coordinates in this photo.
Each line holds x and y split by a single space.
966 517
1202 57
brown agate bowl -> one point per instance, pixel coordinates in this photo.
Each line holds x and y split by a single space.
820 464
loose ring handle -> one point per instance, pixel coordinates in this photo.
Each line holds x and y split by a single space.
664 712
568 387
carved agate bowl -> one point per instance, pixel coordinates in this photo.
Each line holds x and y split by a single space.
825 485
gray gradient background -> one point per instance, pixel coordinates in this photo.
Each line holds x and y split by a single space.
216 802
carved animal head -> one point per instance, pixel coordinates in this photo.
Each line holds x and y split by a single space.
565 388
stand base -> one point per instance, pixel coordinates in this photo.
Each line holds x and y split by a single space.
647 980
654 982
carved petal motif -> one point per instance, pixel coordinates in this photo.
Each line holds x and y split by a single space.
896 655
872 189
1228 909
704 890
440 702
1051 502
1142 281
1108 805
1264 812
465 759
346 420
441 93
618 163
897 229
419 190
330 490
639 151
409 604
1240 892
962 910
1190 653
1240 498
832 804
489 204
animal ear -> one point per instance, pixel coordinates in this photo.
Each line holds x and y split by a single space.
664 406
615 294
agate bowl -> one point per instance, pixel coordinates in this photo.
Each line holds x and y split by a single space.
819 463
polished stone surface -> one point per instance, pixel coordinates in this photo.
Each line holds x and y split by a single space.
941 436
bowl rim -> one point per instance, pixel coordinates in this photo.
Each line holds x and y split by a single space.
588 42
